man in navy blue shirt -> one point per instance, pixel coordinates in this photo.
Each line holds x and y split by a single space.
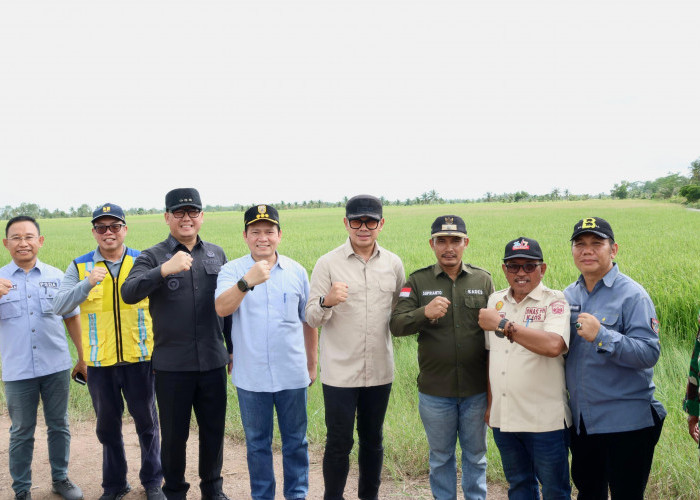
613 348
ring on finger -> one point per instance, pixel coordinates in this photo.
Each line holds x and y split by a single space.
578 325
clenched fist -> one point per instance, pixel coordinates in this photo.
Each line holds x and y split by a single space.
259 273
337 294
489 319
97 275
181 261
5 286
437 308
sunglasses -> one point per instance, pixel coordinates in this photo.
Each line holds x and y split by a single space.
102 229
528 268
192 212
369 223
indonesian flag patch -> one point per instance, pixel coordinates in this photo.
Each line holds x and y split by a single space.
655 325
405 292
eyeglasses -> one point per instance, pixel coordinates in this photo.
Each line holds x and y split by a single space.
102 229
192 212
30 238
369 223
528 268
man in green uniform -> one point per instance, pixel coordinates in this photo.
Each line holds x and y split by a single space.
441 304
692 401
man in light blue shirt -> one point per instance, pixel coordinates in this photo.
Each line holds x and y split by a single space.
614 345
36 361
274 352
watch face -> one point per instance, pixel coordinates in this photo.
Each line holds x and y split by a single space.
242 285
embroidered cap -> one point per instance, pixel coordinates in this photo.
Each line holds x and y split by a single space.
108 210
448 225
261 212
523 248
182 197
595 225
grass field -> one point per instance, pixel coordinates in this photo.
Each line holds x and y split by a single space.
659 247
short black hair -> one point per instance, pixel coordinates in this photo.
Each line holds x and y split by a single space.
21 218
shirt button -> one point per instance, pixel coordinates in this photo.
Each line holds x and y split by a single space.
33 330
503 373
31 313
504 394
33 347
456 326
29 296
506 351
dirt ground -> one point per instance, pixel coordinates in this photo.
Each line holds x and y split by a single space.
86 468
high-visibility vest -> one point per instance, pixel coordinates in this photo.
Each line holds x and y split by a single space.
113 331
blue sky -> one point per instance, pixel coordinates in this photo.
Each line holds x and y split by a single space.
259 101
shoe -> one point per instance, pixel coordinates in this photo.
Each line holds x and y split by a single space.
23 495
220 495
67 489
155 493
118 495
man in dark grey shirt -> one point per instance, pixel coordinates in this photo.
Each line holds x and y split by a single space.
189 358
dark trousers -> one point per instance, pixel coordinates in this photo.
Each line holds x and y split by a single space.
178 394
135 382
341 404
619 460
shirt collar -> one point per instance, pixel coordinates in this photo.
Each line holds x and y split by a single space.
535 294
98 257
173 243
348 250
607 280
38 265
437 269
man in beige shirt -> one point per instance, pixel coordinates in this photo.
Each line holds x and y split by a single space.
528 333
353 289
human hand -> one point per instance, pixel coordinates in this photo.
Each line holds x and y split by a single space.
97 275
693 428
5 286
81 367
437 308
587 326
259 273
312 374
489 319
230 364
337 294
181 261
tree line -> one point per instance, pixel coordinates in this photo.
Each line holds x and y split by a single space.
671 186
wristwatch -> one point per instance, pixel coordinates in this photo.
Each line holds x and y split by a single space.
243 285
501 330
320 301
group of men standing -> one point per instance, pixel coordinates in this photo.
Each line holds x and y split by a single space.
168 324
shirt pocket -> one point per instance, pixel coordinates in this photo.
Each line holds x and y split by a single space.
475 301
610 320
46 296
175 283
10 305
290 307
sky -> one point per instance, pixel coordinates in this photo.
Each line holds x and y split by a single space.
259 101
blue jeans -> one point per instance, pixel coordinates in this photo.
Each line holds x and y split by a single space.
532 457
22 403
445 420
257 417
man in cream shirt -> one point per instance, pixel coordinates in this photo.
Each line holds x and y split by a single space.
528 333
353 289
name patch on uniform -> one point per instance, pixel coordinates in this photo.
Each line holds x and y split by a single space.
474 291
405 292
48 284
431 292
575 307
558 307
535 313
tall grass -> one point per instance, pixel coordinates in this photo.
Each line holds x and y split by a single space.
659 247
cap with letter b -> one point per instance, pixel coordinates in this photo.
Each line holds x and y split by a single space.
595 225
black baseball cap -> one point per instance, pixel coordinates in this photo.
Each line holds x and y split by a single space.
108 210
595 225
448 225
364 205
182 197
523 248
261 212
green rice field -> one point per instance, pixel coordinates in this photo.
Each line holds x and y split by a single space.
659 247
